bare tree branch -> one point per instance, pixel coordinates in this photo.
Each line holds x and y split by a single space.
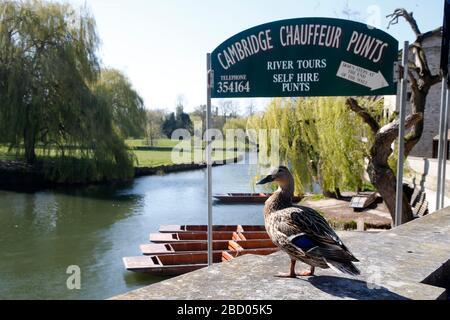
407 16
393 116
366 116
413 80
420 76
420 60
435 79
386 136
390 131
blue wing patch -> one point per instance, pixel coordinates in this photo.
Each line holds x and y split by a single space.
304 242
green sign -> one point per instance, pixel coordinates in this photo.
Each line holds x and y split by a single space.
305 57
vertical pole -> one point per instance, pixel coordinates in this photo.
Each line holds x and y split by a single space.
208 159
442 136
445 149
401 136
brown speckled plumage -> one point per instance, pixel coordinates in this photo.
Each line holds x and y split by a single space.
284 221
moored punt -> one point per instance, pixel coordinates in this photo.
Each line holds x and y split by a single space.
199 246
248 197
203 236
176 264
226 256
204 228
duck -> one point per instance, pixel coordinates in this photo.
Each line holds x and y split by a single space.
302 232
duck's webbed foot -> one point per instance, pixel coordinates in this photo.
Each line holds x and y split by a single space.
293 274
307 273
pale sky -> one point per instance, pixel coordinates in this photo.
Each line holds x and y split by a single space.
161 45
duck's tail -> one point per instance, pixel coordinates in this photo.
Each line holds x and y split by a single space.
346 267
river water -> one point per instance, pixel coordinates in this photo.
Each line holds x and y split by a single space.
43 233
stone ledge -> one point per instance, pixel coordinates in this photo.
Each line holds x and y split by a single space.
400 261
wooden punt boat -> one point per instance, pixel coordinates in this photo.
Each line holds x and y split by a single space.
202 236
204 228
176 264
190 247
247 197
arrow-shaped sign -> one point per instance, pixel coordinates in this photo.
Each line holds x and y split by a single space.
370 79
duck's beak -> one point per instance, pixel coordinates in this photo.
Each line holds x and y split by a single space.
266 180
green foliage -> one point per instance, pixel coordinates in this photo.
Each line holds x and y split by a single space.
368 187
182 118
75 170
127 107
340 148
174 121
222 116
169 125
235 124
48 58
153 128
343 225
316 197
53 94
320 139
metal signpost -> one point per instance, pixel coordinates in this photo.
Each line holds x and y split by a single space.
441 150
443 121
401 136
300 58
445 148
209 77
443 144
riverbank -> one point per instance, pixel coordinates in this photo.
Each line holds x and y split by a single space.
150 171
342 217
149 160
17 174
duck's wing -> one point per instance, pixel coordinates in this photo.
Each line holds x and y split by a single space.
314 224
309 231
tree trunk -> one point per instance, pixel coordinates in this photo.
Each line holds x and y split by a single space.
384 179
29 139
333 194
381 175
152 141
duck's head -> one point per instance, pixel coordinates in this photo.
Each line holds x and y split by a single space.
282 176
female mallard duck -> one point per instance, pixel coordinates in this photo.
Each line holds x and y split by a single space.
302 232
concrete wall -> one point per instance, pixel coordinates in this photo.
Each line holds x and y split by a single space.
408 262
423 175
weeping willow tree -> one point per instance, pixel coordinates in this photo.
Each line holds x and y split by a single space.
320 140
53 97
127 106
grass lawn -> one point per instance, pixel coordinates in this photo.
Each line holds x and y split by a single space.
157 156
163 156
160 143
4 155
151 158
168 143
